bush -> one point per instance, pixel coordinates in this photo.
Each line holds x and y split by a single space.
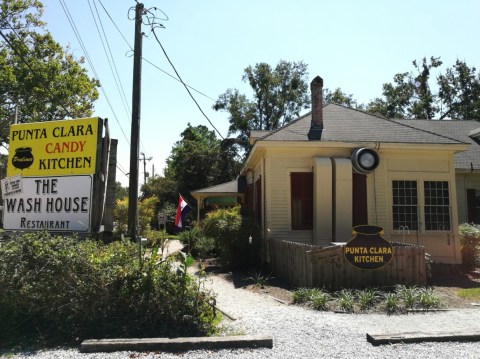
197 243
237 237
57 290
469 240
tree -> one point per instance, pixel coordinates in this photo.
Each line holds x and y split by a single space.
278 97
38 77
341 98
120 191
460 92
411 95
199 160
146 209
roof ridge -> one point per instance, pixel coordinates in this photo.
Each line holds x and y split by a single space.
399 122
396 121
288 124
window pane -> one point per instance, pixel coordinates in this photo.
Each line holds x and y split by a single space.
405 208
437 206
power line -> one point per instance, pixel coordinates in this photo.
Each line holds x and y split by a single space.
148 61
110 58
183 83
82 45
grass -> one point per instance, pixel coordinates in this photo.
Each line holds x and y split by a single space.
469 293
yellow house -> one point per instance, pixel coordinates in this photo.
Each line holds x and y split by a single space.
314 179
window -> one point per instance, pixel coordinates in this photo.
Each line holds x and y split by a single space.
436 201
301 189
405 205
437 206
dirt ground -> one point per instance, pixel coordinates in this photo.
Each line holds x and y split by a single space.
445 284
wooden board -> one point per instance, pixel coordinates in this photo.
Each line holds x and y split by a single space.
418 337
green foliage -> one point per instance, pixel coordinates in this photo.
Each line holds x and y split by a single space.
469 293
258 278
392 302
341 98
37 76
410 95
320 299
366 298
301 295
120 192
197 243
146 209
237 237
346 300
279 94
409 295
166 191
197 161
57 290
428 299
224 225
469 241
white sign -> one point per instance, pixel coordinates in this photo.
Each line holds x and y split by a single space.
61 204
11 185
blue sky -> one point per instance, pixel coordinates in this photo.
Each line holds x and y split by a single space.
355 45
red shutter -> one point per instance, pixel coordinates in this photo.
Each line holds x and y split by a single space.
471 205
258 200
301 189
359 200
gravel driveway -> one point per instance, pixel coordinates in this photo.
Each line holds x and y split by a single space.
302 333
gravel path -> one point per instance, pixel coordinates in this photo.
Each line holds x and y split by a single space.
302 333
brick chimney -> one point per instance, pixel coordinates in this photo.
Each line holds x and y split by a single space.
316 126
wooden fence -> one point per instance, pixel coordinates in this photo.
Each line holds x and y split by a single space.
305 265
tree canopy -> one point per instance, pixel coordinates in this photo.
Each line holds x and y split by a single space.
38 78
415 95
279 94
197 161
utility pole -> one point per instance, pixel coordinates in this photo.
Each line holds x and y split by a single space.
135 132
145 167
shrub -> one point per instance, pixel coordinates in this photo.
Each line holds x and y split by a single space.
346 300
57 289
320 299
392 302
469 240
408 295
258 278
428 299
366 298
197 243
301 295
146 208
232 231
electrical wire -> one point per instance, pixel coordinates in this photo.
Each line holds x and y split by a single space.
146 60
183 83
87 56
110 58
